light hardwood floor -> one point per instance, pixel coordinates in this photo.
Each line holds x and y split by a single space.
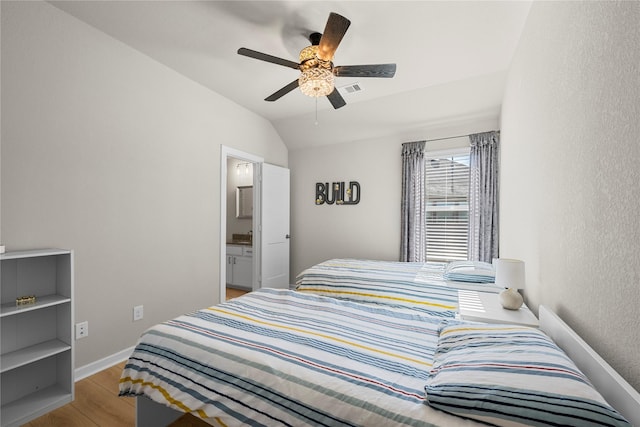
97 403
233 293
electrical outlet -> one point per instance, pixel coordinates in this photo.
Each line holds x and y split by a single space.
82 330
138 312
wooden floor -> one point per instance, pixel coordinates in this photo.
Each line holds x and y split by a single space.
97 402
233 292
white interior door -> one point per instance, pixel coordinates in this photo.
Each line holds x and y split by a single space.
274 227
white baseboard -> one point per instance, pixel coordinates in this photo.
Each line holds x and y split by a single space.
102 364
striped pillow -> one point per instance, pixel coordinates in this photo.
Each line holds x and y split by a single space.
512 376
470 271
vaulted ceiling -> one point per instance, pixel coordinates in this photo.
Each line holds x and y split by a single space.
451 57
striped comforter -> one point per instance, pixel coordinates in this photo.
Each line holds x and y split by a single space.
416 285
279 357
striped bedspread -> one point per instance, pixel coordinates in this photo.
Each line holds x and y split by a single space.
285 358
420 284
411 284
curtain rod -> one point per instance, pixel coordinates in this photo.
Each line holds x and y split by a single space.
452 137
446 137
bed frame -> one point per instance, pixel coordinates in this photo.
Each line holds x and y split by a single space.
615 390
608 382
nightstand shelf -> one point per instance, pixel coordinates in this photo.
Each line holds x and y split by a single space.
486 307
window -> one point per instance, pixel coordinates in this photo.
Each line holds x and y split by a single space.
447 188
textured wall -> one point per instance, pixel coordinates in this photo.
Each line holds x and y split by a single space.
570 179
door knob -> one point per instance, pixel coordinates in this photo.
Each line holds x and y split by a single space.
287 237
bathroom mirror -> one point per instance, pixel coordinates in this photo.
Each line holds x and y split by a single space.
244 201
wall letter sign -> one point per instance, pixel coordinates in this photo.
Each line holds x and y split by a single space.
337 193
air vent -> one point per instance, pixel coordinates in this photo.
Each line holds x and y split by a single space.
350 89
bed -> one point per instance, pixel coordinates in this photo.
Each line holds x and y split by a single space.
384 278
280 357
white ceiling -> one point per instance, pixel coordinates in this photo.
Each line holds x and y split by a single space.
451 56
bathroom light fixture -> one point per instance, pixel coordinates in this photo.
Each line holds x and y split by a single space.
246 168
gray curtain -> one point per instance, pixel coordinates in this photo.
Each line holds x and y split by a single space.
483 196
413 236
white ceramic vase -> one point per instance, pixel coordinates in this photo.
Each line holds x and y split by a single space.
511 299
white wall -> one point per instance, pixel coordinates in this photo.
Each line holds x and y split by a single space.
570 177
114 155
371 228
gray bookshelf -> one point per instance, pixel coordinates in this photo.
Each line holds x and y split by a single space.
36 353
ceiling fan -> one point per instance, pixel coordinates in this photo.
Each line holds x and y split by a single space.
316 66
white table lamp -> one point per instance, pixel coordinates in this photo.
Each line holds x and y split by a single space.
510 275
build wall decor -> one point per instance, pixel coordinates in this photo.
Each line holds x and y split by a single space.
337 193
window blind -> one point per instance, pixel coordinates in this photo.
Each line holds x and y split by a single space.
447 189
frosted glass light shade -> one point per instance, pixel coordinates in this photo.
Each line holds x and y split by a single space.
316 82
510 273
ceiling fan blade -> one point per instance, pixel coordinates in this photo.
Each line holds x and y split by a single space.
335 29
336 99
268 58
285 90
375 70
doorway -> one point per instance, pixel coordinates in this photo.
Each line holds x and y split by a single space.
234 221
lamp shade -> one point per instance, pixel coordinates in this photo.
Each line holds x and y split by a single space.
509 273
316 82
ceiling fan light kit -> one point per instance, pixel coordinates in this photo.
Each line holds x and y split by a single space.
316 82
309 53
317 77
